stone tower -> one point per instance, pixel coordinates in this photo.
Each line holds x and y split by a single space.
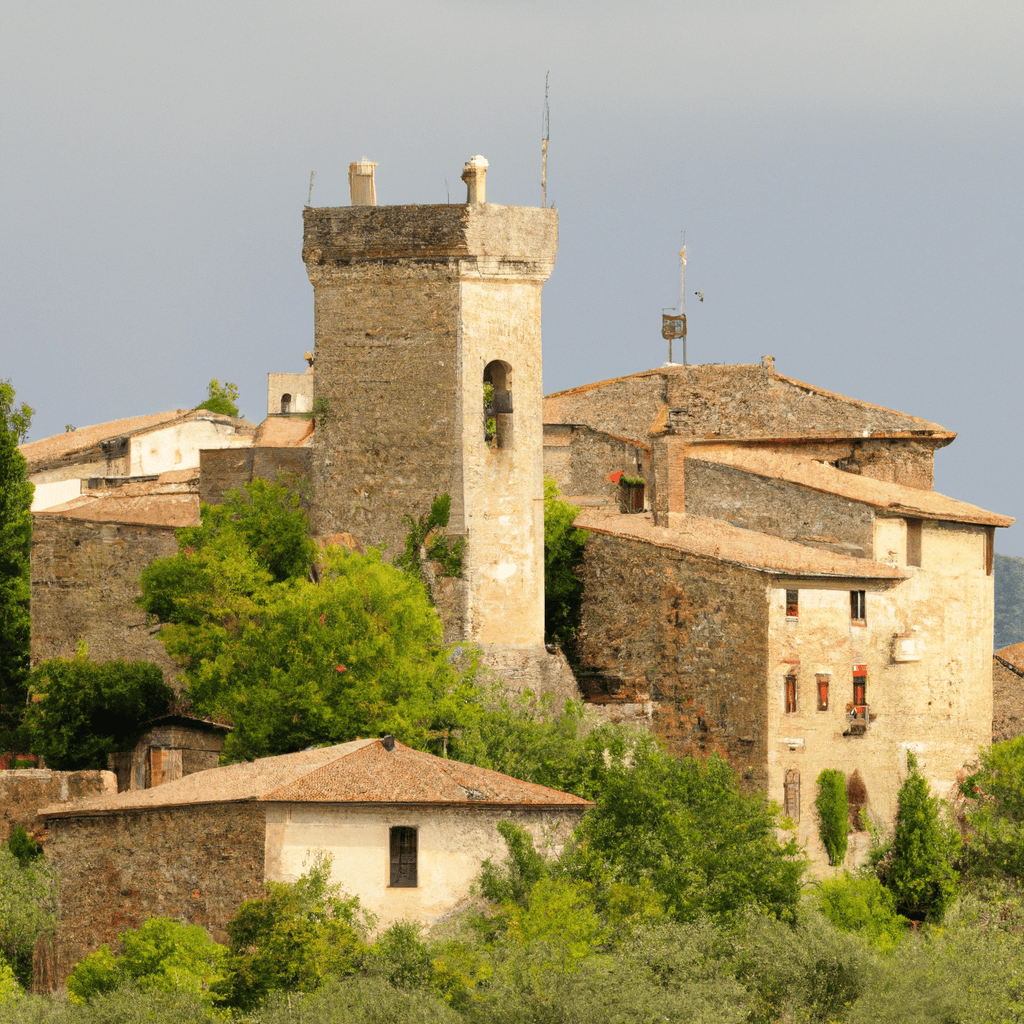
416 307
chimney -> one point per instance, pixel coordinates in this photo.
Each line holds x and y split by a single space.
360 183
474 174
387 741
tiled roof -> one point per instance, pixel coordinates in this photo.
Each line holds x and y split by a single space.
1013 656
284 432
895 499
173 510
713 538
360 772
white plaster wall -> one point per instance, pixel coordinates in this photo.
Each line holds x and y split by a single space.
940 706
298 385
178 446
452 844
503 487
55 492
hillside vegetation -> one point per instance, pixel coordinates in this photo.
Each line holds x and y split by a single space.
1009 578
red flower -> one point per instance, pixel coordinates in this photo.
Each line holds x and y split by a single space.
340 668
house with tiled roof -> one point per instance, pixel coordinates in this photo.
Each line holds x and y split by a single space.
406 831
770 575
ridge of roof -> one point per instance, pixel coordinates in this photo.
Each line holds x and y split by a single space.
896 499
358 772
717 539
173 510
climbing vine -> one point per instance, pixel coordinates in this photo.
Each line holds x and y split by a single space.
833 814
425 541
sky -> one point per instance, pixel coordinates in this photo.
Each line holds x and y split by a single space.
848 176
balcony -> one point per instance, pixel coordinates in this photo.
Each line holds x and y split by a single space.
857 719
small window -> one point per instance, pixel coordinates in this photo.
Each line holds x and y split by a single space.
860 690
858 607
790 694
286 403
403 857
792 604
823 679
498 404
791 794
914 542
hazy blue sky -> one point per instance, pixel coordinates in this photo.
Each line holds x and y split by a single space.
849 176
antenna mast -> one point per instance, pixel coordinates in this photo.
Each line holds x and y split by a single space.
682 291
674 326
545 128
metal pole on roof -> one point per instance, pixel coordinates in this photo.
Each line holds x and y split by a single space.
682 291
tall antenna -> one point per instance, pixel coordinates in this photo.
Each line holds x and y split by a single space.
312 178
545 127
673 325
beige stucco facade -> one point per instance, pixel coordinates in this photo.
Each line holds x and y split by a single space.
290 392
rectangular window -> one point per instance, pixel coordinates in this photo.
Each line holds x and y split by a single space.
823 679
860 690
913 542
990 549
858 608
791 794
403 857
792 604
790 694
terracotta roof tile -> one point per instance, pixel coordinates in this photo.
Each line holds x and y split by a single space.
284 432
896 499
362 771
1013 655
714 538
173 510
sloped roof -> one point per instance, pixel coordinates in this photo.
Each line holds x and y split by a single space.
173 510
1012 657
895 499
359 772
714 538
62 446
284 432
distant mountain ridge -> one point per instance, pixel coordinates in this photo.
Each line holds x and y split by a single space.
1009 580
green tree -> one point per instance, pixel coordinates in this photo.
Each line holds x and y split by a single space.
1009 600
162 955
28 909
833 814
15 541
683 828
80 710
918 868
563 552
221 398
290 661
295 938
862 905
995 813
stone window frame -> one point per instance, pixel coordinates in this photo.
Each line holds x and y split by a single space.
286 402
791 794
823 679
858 608
860 688
498 373
792 604
403 857
790 693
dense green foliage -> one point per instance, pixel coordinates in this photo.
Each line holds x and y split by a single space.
24 848
15 540
221 398
863 905
426 541
290 661
1009 587
563 552
918 865
293 939
28 909
80 710
995 813
162 955
833 814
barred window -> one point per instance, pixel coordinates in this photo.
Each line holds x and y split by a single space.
403 857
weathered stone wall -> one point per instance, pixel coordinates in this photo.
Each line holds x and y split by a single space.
194 864
24 791
777 507
687 634
1007 700
85 581
590 458
225 469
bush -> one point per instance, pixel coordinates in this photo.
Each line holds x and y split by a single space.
833 814
80 711
995 813
221 398
28 910
864 906
563 552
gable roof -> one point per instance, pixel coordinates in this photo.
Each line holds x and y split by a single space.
172 510
1012 657
359 772
714 538
889 498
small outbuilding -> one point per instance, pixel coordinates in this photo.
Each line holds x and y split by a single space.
406 831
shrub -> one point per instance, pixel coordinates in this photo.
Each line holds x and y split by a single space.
221 398
864 906
833 814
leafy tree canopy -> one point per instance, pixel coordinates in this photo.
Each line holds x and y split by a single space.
1009 611
563 551
221 398
28 909
995 813
833 814
80 710
290 661
15 540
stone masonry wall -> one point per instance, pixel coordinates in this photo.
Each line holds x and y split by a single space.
1007 700
777 507
685 633
195 864
224 469
24 791
85 581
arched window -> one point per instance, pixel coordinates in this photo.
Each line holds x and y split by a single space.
498 404
791 794
286 403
